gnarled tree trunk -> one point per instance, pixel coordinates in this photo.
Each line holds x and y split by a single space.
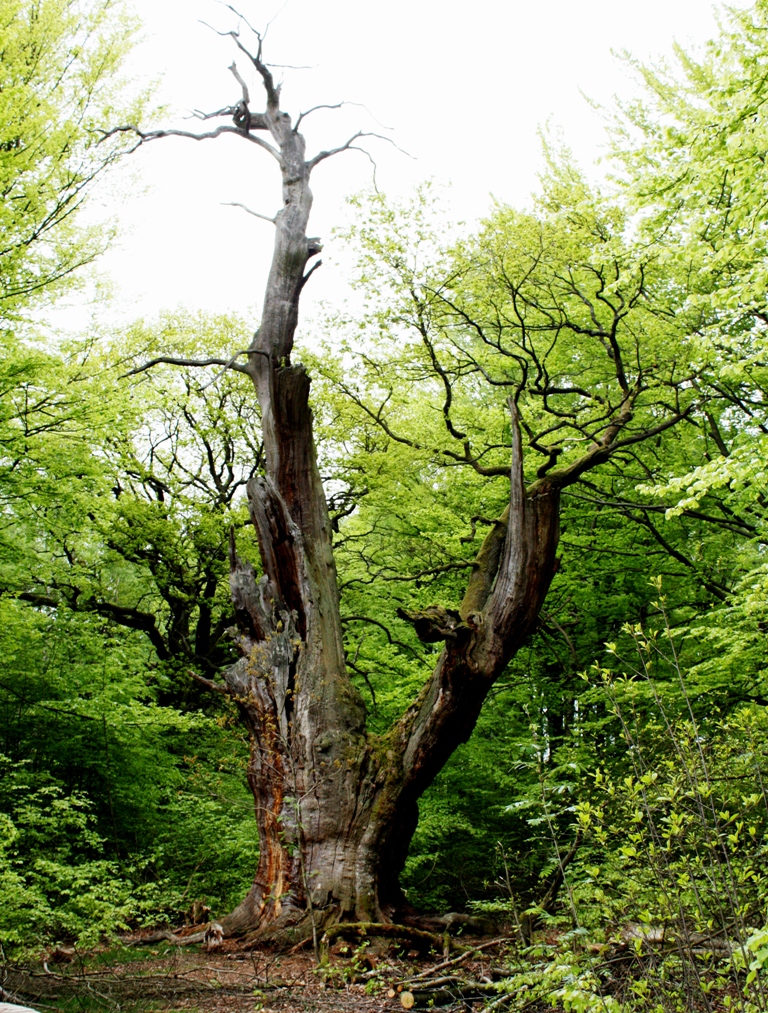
336 806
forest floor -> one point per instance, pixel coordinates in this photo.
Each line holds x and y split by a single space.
167 979
375 977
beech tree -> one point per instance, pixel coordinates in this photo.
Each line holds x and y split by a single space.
558 312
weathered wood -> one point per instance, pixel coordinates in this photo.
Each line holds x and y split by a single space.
447 996
336 806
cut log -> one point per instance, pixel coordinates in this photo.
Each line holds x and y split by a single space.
447 996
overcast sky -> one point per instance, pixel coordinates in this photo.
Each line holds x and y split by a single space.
463 87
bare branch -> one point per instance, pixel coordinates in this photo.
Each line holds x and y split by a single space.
245 20
236 74
172 361
337 105
350 144
198 114
237 204
153 135
230 365
309 273
273 92
271 21
372 160
301 116
214 30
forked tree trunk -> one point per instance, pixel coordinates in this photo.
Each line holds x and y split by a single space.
336 806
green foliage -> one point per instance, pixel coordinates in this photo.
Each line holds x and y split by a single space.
60 89
111 819
664 902
112 541
680 843
561 976
54 884
122 789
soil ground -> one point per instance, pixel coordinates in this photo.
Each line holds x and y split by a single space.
168 979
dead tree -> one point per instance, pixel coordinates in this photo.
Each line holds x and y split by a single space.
336 806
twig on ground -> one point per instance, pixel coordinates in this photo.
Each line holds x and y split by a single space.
455 960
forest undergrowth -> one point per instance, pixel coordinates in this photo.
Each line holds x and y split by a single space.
659 907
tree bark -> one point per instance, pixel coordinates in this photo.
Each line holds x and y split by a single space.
337 807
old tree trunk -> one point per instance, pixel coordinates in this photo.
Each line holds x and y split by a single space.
336 806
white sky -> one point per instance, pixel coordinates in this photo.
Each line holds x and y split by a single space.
465 87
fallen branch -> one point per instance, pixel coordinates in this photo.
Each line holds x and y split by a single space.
300 945
455 960
166 935
665 938
421 940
